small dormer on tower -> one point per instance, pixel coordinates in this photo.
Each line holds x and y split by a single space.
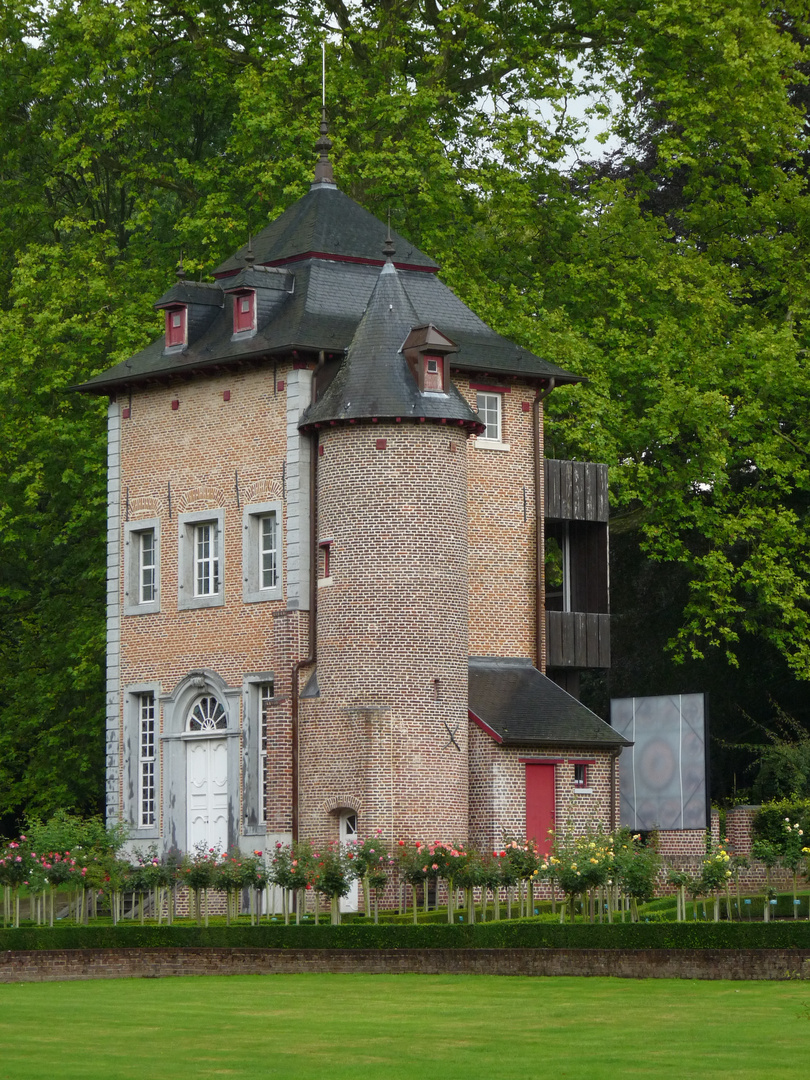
427 351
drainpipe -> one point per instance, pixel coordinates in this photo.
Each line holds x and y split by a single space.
613 758
313 607
540 530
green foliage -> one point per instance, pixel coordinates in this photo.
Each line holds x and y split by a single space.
674 275
769 821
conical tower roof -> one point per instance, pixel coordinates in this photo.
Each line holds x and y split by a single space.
375 380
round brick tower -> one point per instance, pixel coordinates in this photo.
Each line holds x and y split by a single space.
386 740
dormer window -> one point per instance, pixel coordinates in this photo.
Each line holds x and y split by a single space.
427 350
244 312
175 326
434 373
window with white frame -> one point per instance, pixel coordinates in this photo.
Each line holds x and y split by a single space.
489 408
147 579
261 552
265 698
147 760
206 559
201 559
142 567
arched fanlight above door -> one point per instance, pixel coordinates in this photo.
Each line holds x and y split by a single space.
207 715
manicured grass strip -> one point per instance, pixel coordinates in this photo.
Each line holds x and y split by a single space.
526 934
349 1027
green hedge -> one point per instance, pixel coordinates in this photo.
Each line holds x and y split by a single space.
516 934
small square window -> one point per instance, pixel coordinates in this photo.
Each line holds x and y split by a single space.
261 552
142 567
580 775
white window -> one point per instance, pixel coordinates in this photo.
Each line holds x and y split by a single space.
206 559
148 567
265 698
490 412
261 552
146 760
268 551
201 560
142 567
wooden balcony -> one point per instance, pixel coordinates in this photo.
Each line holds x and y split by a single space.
577 639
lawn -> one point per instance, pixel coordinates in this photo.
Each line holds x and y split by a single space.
453 1027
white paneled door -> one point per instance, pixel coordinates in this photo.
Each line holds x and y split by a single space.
207 770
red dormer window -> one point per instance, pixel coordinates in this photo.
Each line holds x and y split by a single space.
175 326
244 312
434 372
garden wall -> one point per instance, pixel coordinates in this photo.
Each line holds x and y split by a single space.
54 965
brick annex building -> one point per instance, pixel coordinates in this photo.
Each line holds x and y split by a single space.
328 517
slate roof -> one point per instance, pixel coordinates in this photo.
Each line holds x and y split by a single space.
525 708
375 380
327 222
318 301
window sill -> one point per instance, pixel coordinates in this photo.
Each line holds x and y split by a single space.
490 444
150 608
262 596
583 791
324 582
196 602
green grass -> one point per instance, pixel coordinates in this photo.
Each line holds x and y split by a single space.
453 1027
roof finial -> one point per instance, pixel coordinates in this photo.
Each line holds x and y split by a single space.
250 258
388 247
181 270
323 169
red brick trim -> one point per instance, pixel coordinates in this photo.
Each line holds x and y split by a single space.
491 388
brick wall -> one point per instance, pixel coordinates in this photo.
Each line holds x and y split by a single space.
502 532
740 964
498 790
392 635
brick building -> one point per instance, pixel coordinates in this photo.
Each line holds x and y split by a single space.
329 526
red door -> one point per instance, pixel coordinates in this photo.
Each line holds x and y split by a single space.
540 804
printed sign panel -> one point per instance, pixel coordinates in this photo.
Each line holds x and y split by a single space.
663 775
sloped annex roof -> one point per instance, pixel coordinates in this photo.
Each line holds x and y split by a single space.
522 707
375 380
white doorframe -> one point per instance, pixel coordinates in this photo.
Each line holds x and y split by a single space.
348 838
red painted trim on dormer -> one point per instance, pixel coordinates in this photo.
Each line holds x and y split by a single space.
334 258
484 726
